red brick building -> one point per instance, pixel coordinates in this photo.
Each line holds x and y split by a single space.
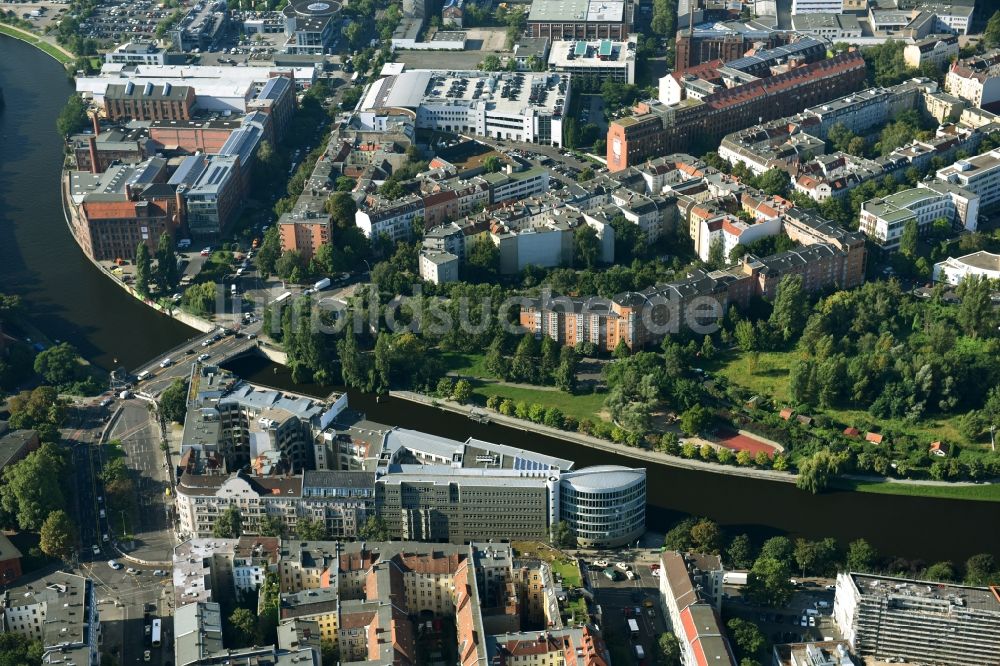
657 130
191 136
10 562
115 224
148 102
304 235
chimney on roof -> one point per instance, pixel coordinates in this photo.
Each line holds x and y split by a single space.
96 122
92 147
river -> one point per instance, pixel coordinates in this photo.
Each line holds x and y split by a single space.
71 300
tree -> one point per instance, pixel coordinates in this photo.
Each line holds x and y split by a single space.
773 181
585 174
374 529
815 472
173 401
59 365
861 556
490 63
58 536
768 583
695 420
941 571
562 535
991 35
565 373
975 313
586 247
143 271
166 262
679 536
746 636
463 391
746 335
32 488
228 525
706 536
19 650
483 261
668 649
492 164
981 569
244 622
271 526
309 529
908 241
200 298
740 552
778 548
73 116
791 308
289 265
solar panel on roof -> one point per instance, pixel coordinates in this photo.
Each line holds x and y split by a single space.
581 49
605 49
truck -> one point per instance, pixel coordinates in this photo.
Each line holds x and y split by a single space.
633 627
321 284
734 578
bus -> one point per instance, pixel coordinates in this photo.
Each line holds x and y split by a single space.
156 633
633 627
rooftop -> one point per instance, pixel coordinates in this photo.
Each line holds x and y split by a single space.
946 596
545 11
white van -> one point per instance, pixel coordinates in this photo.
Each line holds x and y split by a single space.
166 363
142 375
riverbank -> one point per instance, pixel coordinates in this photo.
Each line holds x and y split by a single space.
960 490
477 414
53 50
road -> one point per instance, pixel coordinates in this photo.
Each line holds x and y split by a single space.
227 346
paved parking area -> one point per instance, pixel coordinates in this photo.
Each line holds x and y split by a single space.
623 600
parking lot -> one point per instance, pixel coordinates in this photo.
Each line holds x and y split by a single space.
480 42
48 13
807 617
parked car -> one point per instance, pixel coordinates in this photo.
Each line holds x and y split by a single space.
206 251
96 549
114 565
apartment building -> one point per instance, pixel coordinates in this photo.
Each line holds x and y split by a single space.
976 79
59 611
438 267
691 599
917 620
214 569
136 53
394 219
148 102
573 646
305 234
198 641
979 175
938 50
658 129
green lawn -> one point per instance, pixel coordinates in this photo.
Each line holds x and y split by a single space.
586 406
36 42
987 492
767 375
569 571
466 364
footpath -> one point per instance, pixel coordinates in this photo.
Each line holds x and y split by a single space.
477 413
45 44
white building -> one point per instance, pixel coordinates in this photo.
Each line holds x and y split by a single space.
955 269
136 53
438 267
884 219
730 231
835 27
603 59
937 49
522 106
817 7
392 218
213 568
979 175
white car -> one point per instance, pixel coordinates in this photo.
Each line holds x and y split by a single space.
132 571
204 357
812 621
105 538
114 565
96 549
622 566
601 563
160 573
166 363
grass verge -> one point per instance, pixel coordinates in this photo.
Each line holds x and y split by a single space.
587 406
986 492
28 38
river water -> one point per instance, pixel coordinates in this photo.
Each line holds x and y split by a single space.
71 300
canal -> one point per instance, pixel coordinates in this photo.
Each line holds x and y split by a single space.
71 300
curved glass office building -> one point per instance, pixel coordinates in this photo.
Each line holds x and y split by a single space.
604 505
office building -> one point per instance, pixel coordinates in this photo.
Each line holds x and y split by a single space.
148 102
136 53
311 27
722 39
59 611
580 19
834 26
980 264
657 129
918 621
604 504
976 79
691 599
97 150
205 135
213 190
817 7
602 59
521 106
